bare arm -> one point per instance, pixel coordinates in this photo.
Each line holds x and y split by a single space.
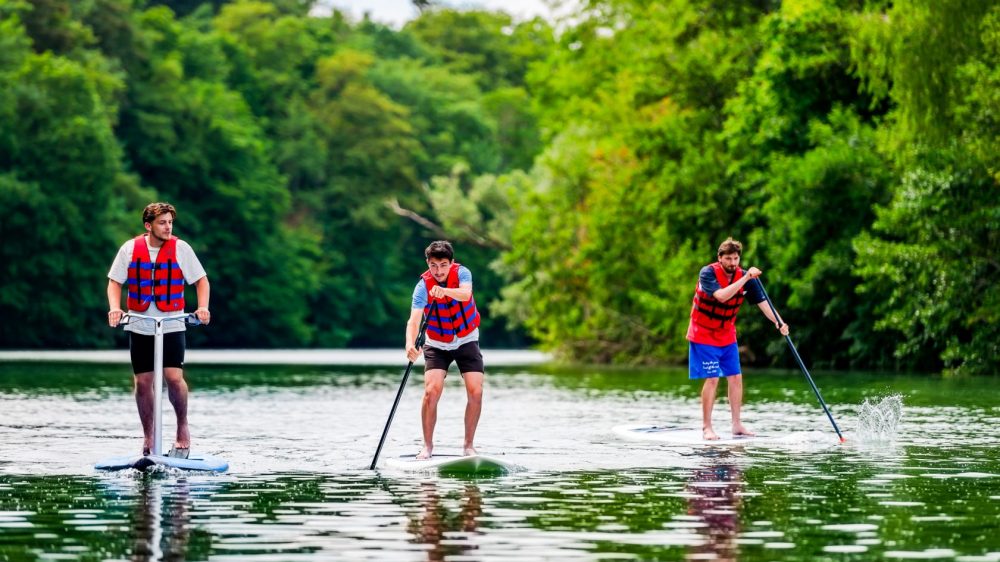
726 293
114 303
462 294
766 309
201 286
412 326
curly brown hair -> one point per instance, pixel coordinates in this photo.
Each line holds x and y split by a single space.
730 246
154 210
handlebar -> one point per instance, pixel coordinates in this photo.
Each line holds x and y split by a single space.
188 318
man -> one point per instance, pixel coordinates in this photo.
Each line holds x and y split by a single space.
712 351
444 294
156 265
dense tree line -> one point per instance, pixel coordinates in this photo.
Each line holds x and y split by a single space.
584 174
852 145
293 147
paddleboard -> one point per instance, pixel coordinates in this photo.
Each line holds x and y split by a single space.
674 435
204 463
469 465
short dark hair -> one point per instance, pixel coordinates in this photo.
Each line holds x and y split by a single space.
440 249
730 246
154 210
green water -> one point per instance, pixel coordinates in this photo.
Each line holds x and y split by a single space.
299 440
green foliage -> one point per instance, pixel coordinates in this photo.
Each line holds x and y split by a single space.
929 262
585 177
487 45
59 162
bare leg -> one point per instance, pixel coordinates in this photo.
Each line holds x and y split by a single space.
143 391
177 390
735 383
707 403
433 387
474 389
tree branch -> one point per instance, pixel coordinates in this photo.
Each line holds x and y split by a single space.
467 234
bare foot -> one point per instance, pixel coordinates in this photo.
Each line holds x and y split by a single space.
739 429
424 453
709 434
469 451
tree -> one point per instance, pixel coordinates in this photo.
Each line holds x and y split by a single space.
930 261
60 167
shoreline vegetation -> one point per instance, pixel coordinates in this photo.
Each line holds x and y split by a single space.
585 170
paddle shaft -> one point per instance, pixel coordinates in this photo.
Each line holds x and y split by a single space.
157 448
802 365
399 393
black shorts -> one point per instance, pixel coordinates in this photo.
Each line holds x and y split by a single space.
141 348
468 358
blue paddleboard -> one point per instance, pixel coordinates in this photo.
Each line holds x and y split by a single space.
204 463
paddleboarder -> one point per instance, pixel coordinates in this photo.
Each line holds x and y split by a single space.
444 293
156 265
712 349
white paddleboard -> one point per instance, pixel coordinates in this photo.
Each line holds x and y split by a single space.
471 465
674 435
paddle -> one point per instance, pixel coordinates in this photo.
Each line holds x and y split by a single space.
805 371
399 394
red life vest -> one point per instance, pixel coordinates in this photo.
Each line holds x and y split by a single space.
712 314
161 282
449 318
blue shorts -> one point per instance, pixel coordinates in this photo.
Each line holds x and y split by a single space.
709 361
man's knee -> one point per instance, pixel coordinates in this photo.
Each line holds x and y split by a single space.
433 386
475 394
473 385
143 382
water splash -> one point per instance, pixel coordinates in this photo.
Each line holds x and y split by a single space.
878 419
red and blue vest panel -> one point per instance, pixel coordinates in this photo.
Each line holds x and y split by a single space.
161 283
710 313
448 318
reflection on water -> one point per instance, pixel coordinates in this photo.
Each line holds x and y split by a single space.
715 501
161 528
443 528
299 442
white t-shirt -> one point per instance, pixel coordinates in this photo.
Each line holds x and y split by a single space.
190 266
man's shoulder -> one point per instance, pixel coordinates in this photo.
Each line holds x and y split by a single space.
127 246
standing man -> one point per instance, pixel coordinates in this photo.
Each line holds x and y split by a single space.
156 265
444 294
713 351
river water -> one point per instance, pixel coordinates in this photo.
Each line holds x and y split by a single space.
299 439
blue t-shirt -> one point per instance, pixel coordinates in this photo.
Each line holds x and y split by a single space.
420 291
710 285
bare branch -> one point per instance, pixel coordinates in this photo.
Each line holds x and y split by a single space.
393 204
467 234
